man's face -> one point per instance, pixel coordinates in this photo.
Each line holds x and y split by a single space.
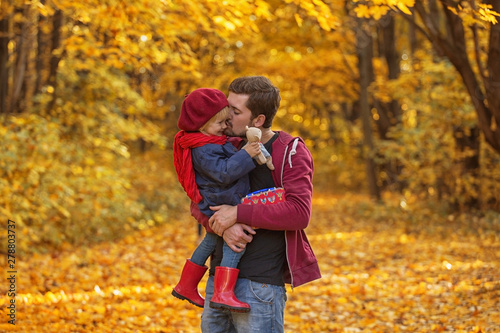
240 115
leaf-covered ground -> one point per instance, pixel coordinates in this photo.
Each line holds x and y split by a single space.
380 274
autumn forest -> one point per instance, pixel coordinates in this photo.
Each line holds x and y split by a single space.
398 102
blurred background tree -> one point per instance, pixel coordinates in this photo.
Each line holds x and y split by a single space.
395 98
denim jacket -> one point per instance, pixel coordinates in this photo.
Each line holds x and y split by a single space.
221 173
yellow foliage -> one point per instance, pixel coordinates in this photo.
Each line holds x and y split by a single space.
298 19
423 142
471 16
62 180
488 15
127 65
379 273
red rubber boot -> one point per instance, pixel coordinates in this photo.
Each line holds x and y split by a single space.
224 298
187 288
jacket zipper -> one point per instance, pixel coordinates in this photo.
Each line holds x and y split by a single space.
292 152
288 262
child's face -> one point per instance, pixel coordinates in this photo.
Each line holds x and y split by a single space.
216 127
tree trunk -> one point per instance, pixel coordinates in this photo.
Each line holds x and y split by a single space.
41 52
486 103
4 57
21 60
57 22
467 142
28 89
413 35
389 113
492 82
364 44
452 45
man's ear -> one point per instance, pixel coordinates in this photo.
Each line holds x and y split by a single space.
259 120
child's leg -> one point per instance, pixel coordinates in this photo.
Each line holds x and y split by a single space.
204 249
187 288
193 271
225 279
229 257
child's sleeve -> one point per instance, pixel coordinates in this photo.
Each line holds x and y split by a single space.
215 165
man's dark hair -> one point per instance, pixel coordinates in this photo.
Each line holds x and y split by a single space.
264 98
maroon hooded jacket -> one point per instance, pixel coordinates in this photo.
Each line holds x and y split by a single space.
293 171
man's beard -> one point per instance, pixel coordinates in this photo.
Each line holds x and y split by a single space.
229 131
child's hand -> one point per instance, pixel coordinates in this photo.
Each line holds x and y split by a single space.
252 148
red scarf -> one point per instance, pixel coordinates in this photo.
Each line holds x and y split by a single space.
183 143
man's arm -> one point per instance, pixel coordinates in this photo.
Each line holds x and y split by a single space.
295 212
223 222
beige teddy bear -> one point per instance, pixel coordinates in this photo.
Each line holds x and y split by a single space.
253 135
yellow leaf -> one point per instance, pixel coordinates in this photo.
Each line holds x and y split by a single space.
402 7
323 23
362 11
342 300
298 19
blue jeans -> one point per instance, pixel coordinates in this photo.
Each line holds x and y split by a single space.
267 303
207 246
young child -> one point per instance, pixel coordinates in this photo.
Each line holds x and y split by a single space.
212 172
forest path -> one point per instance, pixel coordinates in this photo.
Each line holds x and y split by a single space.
388 276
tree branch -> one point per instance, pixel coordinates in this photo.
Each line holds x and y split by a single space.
482 70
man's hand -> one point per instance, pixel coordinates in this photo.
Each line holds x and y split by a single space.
236 238
223 218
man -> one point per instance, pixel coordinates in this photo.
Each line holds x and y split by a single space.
277 249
